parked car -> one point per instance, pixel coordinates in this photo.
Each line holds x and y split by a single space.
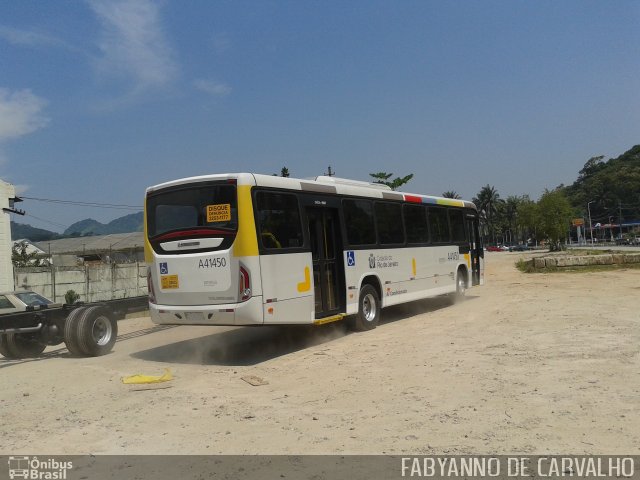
518 248
23 301
494 248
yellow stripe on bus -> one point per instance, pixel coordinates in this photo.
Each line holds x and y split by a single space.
450 202
332 318
246 244
306 285
148 253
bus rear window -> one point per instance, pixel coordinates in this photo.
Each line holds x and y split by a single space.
193 207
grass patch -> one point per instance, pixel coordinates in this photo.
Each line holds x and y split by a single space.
586 251
528 267
600 268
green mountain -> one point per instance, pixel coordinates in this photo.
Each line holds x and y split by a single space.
23 230
86 227
612 188
129 223
89 226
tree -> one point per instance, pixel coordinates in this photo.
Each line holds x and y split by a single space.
487 202
20 257
451 194
284 172
555 214
591 167
383 178
611 187
510 216
528 218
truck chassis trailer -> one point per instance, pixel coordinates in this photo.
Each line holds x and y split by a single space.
87 329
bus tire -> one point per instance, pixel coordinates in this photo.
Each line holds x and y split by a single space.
369 308
22 345
71 337
97 331
461 284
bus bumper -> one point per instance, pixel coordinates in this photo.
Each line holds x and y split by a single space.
245 313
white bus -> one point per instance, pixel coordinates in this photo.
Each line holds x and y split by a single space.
249 249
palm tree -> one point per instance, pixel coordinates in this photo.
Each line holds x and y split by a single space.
451 194
510 212
383 177
487 202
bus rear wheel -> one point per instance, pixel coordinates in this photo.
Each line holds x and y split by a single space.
461 285
369 308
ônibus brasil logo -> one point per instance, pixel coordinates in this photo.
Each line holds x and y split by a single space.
34 469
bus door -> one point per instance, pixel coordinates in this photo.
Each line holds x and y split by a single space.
328 268
476 251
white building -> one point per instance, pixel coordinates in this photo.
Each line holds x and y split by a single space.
7 200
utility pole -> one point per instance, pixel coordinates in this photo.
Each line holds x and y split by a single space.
590 226
620 217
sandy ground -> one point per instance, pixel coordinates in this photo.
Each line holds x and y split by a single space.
527 364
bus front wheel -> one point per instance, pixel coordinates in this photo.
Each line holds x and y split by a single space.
369 308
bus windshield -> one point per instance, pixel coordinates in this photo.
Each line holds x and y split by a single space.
209 208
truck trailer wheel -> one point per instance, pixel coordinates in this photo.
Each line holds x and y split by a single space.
70 332
4 348
21 345
97 331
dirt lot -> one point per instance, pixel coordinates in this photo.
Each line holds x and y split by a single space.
528 364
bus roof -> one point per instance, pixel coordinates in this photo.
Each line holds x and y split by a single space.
321 184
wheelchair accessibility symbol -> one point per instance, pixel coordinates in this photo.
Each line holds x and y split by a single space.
351 258
164 268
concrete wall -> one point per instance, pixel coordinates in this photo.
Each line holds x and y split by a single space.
585 260
92 282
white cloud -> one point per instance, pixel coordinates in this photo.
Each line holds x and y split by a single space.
133 44
220 43
212 88
27 38
20 113
30 38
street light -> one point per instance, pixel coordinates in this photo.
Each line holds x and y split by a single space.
590 227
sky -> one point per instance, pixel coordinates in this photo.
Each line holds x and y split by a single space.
101 99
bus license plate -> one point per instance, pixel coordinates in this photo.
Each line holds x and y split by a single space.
194 316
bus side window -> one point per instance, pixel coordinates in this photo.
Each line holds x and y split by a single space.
279 220
358 217
415 220
388 214
439 225
456 220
